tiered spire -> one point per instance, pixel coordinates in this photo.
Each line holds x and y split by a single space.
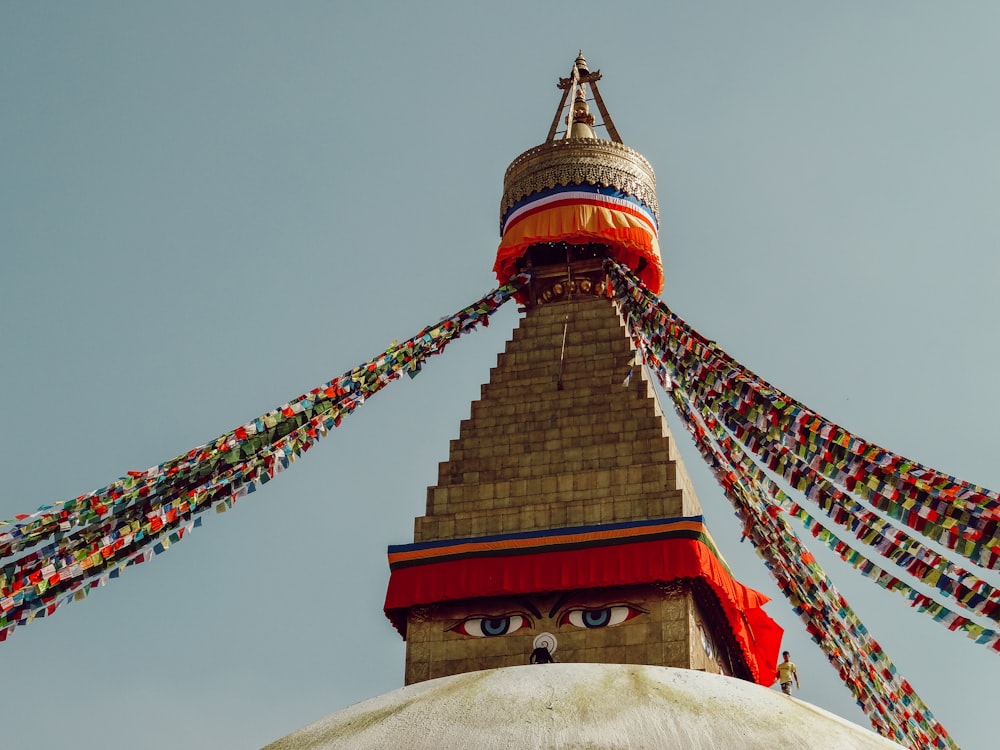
563 517
573 200
575 85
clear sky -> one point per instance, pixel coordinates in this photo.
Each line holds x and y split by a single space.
207 208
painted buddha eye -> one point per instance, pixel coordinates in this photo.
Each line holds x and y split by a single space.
489 627
602 617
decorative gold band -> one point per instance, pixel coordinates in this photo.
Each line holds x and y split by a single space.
579 161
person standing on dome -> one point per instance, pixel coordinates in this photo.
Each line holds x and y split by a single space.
786 673
541 655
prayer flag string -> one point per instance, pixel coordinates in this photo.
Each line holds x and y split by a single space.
957 514
941 574
964 519
742 425
893 543
72 546
978 596
890 702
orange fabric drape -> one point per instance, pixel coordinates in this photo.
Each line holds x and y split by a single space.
632 239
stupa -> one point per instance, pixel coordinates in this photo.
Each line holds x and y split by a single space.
562 589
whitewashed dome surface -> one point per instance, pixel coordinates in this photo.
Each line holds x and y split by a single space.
583 706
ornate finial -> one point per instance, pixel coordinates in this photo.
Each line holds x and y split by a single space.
574 200
580 77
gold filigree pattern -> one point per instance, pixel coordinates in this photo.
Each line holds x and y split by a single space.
579 161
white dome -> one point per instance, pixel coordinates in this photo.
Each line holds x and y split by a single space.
577 706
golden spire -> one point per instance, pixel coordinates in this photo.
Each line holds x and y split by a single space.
579 196
579 79
579 122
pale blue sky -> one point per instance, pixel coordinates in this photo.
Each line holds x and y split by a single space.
208 208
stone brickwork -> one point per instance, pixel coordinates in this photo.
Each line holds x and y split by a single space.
557 440
669 628
534 455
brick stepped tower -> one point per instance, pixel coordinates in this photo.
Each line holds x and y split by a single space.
557 439
563 524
